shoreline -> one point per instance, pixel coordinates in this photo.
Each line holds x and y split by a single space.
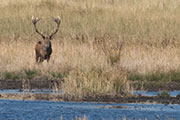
98 99
49 84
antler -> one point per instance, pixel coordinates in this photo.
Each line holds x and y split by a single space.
58 21
34 21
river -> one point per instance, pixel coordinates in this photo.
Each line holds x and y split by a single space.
48 110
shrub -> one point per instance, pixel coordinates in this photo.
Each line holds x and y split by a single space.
11 75
164 94
94 82
30 73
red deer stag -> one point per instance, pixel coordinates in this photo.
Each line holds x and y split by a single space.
43 48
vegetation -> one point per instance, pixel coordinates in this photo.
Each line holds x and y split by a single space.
164 94
178 96
11 75
101 44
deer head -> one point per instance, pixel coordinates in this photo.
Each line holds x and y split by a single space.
43 48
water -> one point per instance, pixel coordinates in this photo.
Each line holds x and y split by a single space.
46 110
50 91
149 93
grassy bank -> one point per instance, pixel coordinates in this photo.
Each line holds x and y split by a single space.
101 46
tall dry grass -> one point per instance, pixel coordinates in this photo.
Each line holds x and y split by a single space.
98 44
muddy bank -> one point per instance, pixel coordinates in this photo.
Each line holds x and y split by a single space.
38 83
31 96
135 99
156 86
48 84
107 99
45 83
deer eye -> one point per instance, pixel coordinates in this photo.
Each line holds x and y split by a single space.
39 42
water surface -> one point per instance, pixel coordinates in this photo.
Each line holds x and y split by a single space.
46 110
50 91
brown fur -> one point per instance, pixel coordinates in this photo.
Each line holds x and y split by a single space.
43 50
43 47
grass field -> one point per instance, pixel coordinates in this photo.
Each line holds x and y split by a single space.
101 46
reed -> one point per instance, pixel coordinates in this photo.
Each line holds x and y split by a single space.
99 42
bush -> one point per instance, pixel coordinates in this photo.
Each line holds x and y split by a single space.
30 73
164 94
11 75
94 82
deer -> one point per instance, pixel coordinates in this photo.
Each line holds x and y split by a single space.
43 48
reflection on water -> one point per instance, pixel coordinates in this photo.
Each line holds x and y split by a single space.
46 110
